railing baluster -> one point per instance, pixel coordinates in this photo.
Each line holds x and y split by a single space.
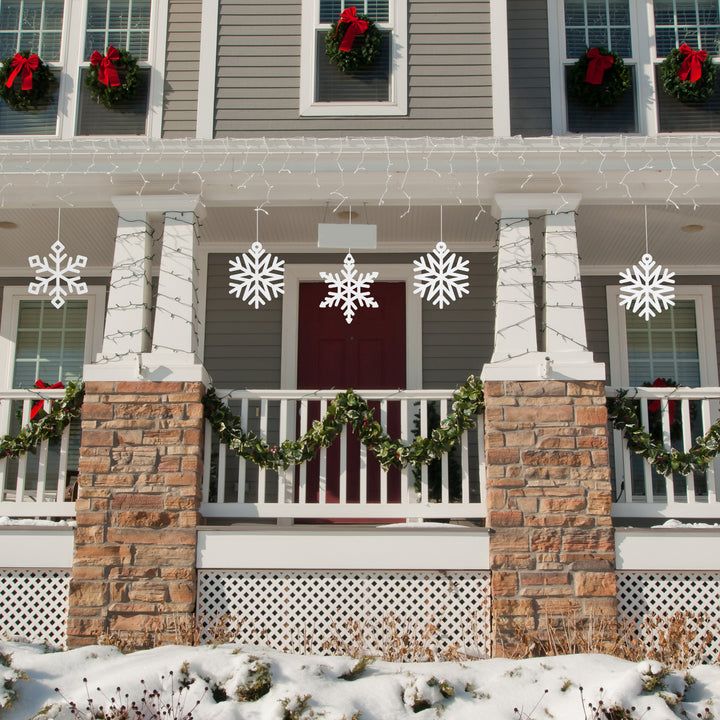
647 469
262 474
407 490
42 464
322 490
222 462
285 488
343 465
22 460
62 465
667 444
383 472
302 488
481 462
242 462
207 463
424 490
711 475
687 444
5 410
444 464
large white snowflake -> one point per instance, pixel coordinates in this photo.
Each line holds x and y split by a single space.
351 291
57 274
256 276
646 288
442 274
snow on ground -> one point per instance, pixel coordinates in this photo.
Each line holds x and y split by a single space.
298 687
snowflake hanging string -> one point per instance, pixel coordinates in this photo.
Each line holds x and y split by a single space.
442 274
351 291
57 274
646 288
256 276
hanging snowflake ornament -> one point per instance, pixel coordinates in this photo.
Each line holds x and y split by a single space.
645 289
257 275
57 274
442 274
351 291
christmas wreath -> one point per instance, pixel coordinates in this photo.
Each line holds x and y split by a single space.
25 82
348 408
688 75
345 49
112 78
599 78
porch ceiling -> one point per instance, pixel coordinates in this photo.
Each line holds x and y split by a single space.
610 236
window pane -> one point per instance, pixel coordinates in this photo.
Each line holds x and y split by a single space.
685 11
597 23
665 41
619 12
34 26
710 39
119 15
574 13
620 41
575 44
598 37
10 16
688 35
32 15
42 122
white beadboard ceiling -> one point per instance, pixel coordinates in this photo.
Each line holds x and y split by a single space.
608 236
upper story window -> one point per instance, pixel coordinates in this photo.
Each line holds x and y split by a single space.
589 23
64 34
695 22
378 89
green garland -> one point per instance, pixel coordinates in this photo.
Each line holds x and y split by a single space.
47 426
108 95
26 100
616 82
365 50
623 414
691 92
348 408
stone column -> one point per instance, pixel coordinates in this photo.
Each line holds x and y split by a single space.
552 550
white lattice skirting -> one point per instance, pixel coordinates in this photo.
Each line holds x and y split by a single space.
34 605
410 615
647 601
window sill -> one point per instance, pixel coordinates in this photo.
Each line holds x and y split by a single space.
328 109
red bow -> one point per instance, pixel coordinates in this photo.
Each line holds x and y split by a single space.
356 27
27 65
692 64
597 66
107 74
654 405
38 406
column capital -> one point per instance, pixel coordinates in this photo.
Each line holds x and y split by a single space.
520 204
158 203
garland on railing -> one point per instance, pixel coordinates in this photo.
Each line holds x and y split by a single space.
348 408
622 413
48 426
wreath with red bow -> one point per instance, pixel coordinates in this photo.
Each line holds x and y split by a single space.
353 41
25 82
599 78
688 75
112 78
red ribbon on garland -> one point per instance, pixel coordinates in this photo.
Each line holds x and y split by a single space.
597 66
356 27
38 406
107 74
692 64
654 405
26 65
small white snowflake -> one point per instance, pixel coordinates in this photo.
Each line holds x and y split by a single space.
444 276
349 291
57 274
257 276
646 288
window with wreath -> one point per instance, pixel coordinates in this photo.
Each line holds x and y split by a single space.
374 87
34 27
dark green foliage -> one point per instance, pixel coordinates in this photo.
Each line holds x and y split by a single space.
616 82
26 100
108 95
684 90
365 50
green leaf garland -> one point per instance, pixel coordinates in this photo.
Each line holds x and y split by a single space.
47 426
623 414
699 91
348 408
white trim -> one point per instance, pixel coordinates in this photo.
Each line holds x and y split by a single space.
157 51
13 294
295 274
452 547
684 549
207 71
556 51
398 103
38 547
500 66
617 333
73 37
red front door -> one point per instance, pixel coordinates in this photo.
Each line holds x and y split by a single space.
369 354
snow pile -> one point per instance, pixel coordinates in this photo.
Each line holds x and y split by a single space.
234 682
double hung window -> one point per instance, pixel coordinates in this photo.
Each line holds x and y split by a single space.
376 89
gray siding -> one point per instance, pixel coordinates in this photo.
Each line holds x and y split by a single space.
242 345
529 68
181 68
449 74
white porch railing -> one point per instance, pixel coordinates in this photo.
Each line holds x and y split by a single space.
345 480
36 484
641 491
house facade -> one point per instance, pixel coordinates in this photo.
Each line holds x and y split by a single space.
462 132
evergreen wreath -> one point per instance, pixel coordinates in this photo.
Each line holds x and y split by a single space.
126 67
348 408
365 50
45 425
687 91
616 81
26 100
623 413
